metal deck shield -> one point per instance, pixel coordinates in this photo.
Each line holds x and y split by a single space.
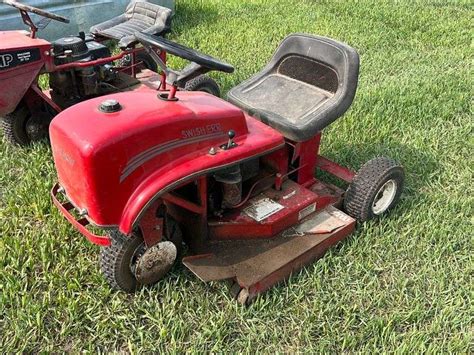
256 265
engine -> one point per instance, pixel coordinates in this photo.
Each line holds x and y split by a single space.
74 85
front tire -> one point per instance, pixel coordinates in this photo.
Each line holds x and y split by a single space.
118 261
203 83
376 189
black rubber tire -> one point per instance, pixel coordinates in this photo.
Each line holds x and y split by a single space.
203 83
14 126
115 259
144 57
362 191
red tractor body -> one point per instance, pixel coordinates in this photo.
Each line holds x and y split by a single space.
21 60
122 159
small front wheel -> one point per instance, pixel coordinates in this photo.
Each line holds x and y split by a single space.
376 188
203 83
127 263
118 261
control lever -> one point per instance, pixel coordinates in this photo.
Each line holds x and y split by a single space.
230 142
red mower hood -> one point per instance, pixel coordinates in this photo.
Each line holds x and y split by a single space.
145 120
101 158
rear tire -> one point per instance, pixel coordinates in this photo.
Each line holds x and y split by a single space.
203 83
117 261
22 128
376 189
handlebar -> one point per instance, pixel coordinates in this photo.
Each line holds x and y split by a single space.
35 10
184 52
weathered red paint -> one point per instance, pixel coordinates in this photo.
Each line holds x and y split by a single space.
153 146
131 164
22 80
307 155
237 225
151 225
335 169
18 79
294 265
91 63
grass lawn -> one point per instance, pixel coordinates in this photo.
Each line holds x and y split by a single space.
401 283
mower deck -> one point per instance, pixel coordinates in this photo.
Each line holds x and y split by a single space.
258 264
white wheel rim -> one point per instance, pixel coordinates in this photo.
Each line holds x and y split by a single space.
384 197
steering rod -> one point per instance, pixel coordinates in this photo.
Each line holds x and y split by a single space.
200 63
171 75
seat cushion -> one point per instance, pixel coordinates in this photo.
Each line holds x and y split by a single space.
284 97
140 16
126 28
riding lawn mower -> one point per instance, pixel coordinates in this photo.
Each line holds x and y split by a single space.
234 181
79 67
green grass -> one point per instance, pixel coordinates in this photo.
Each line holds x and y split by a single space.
403 283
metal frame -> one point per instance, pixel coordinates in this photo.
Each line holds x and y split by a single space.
308 158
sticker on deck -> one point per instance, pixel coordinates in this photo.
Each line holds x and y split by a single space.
261 209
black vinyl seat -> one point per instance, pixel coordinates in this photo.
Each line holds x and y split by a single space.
140 16
308 84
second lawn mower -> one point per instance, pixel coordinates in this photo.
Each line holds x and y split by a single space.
233 182
78 67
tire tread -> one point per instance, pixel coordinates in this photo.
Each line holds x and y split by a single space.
13 133
203 81
362 190
110 258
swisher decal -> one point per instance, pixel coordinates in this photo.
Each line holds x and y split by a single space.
13 59
151 153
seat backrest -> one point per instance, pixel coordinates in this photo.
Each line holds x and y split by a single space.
322 62
149 13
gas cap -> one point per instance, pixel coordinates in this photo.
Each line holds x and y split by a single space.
110 106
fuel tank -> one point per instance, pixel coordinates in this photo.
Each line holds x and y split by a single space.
21 59
102 158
